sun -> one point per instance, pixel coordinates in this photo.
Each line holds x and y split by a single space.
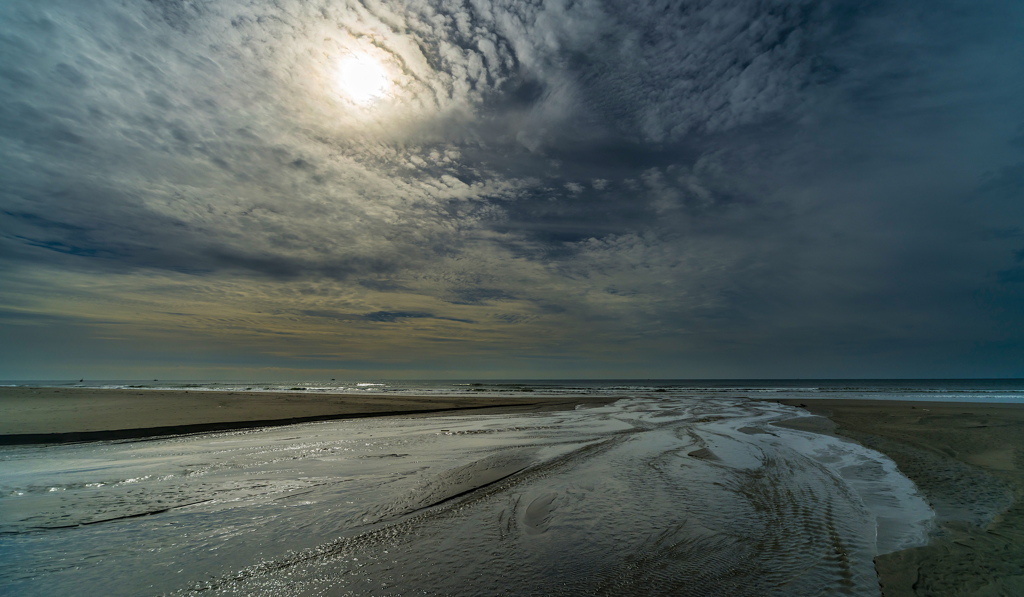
363 79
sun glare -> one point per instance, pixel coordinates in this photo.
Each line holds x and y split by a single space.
362 78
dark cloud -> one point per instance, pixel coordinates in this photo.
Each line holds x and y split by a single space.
379 316
392 316
480 295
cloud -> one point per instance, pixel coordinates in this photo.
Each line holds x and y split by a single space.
609 172
378 316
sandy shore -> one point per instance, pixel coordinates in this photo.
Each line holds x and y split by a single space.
56 415
967 460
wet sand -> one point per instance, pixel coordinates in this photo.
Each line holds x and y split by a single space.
967 460
60 415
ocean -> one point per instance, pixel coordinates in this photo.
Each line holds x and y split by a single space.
947 390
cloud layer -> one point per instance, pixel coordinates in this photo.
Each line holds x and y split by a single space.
706 188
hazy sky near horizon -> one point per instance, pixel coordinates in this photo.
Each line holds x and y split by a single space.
713 188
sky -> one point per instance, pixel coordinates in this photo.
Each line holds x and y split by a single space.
255 189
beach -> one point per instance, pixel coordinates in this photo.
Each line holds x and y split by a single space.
966 458
269 493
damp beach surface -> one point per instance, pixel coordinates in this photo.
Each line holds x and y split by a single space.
529 494
965 459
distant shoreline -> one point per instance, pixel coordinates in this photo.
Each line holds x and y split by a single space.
41 415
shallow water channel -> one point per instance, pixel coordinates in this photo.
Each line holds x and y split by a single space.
674 496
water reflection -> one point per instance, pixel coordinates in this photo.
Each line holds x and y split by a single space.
660 496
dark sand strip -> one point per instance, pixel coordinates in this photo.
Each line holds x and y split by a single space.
61 415
967 460
149 432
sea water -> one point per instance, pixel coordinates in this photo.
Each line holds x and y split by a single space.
658 493
949 390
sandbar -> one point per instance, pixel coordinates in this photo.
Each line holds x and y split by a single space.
61 415
967 459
